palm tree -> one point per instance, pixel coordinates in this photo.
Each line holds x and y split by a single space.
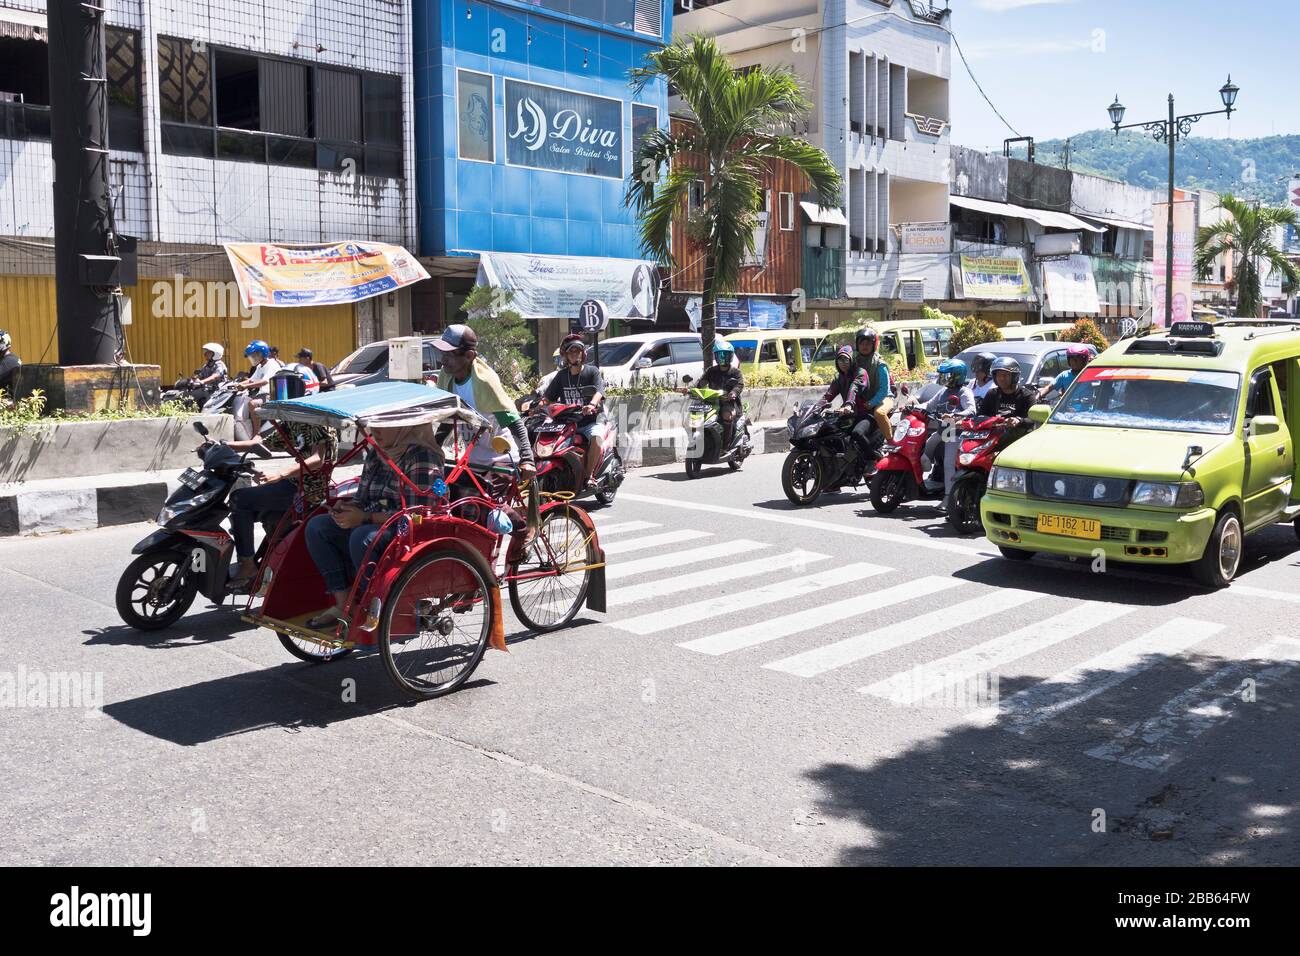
734 140
1246 233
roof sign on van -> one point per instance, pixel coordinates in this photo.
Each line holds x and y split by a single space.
1191 330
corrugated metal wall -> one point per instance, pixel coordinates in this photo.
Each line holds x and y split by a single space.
170 339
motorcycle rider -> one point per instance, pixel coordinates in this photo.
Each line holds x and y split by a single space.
982 367
957 400
10 363
259 354
724 376
1010 399
851 390
866 358
1078 356
580 384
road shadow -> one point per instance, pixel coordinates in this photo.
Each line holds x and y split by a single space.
290 696
985 795
192 630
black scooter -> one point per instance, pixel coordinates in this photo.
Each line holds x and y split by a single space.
190 552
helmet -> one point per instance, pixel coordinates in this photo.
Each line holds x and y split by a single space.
216 348
866 332
258 347
723 351
953 372
5 340
570 340
1081 350
983 363
1007 364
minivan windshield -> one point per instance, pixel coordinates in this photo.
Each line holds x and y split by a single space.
1161 399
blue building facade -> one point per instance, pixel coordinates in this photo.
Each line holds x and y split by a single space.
525 123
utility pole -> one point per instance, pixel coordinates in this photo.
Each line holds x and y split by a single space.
86 265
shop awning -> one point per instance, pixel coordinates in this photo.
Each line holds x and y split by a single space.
1120 223
824 215
1044 217
22 25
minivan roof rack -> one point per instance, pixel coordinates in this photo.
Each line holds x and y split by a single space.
1165 346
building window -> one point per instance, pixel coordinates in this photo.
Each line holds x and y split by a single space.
787 212
615 13
476 117
644 119
240 106
25 88
695 196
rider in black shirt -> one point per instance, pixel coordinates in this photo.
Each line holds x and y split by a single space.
1008 398
580 384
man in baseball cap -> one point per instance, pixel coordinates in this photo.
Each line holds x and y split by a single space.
479 387
320 369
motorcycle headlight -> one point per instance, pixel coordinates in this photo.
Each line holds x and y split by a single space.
172 511
1007 479
1168 494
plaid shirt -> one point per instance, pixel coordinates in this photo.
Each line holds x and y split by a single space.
382 490
315 485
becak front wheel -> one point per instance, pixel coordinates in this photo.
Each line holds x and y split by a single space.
549 581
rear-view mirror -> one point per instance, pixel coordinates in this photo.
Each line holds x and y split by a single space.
1039 413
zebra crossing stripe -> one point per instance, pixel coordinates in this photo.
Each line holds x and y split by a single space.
764 631
1038 704
741 601
1156 743
624 527
680 559
933 680
861 646
795 561
652 541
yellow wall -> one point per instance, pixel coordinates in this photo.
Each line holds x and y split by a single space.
171 340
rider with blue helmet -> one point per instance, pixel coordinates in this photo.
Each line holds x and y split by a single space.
955 401
724 376
263 367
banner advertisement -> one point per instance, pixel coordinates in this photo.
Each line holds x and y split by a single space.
743 312
552 128
996 278
924 237
730 312
319 274
1184 239
548 287
1070 286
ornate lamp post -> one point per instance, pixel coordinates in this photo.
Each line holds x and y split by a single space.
1170 131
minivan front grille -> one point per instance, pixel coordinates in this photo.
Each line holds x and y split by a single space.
1085 489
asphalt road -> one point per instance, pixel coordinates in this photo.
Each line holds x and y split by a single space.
770 685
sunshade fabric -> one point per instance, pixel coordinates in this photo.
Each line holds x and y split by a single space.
1044 217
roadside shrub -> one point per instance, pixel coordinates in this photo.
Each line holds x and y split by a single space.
972 331
1086 331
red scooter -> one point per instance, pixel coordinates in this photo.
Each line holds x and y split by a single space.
982 439
901 474
559 449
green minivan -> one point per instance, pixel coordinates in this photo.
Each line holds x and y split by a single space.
1167 449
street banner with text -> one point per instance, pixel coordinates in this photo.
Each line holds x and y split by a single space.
1184 239
319 274
997 278
547 287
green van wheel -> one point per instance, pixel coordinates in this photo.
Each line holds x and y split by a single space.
1222 558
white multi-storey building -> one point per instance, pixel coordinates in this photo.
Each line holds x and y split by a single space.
229 120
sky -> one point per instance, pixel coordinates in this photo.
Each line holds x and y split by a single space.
1051 67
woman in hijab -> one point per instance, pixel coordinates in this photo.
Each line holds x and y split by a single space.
338 540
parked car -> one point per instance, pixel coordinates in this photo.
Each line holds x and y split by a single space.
369 364
910 338
1167 449
1040 362
1034 331
649 356
793 349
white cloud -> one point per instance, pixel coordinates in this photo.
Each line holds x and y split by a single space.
1002 6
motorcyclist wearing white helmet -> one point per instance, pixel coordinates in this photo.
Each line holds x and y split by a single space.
9 365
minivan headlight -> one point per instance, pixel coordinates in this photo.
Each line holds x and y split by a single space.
1007 479
1168 494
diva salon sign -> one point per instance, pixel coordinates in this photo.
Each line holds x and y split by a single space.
551 128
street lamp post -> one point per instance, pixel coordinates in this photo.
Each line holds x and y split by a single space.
1170 131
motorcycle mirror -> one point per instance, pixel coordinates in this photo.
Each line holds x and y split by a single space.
500 445
261 451
201 428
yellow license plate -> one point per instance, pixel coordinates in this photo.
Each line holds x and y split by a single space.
1070 527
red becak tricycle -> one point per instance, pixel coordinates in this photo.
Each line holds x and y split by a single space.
428 592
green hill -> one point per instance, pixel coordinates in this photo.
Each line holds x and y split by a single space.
1251 168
